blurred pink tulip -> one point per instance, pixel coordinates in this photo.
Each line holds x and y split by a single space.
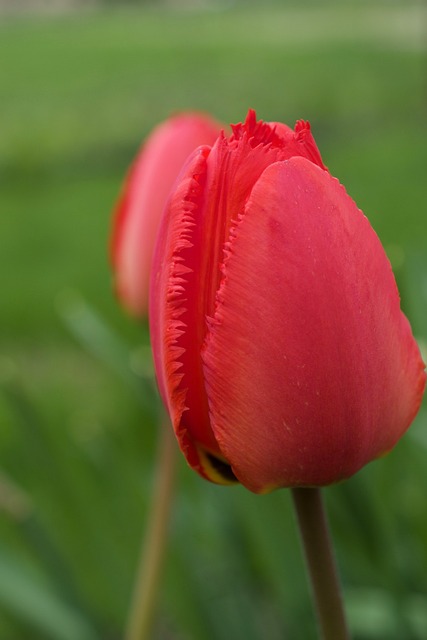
144 195
280 348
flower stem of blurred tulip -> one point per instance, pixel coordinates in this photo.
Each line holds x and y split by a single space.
321 565
153 546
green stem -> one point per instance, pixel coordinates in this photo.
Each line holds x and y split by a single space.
154 542
321 565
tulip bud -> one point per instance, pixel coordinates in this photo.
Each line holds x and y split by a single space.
143 198
280 349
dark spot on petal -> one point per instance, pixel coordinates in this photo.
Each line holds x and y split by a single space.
221 467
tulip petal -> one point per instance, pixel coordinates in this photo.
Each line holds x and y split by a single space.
311 368
299 142
175 337
172 270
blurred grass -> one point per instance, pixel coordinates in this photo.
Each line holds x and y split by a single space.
78 92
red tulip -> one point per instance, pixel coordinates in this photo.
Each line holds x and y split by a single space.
280 348
143 199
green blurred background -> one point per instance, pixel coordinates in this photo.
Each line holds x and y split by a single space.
80 87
